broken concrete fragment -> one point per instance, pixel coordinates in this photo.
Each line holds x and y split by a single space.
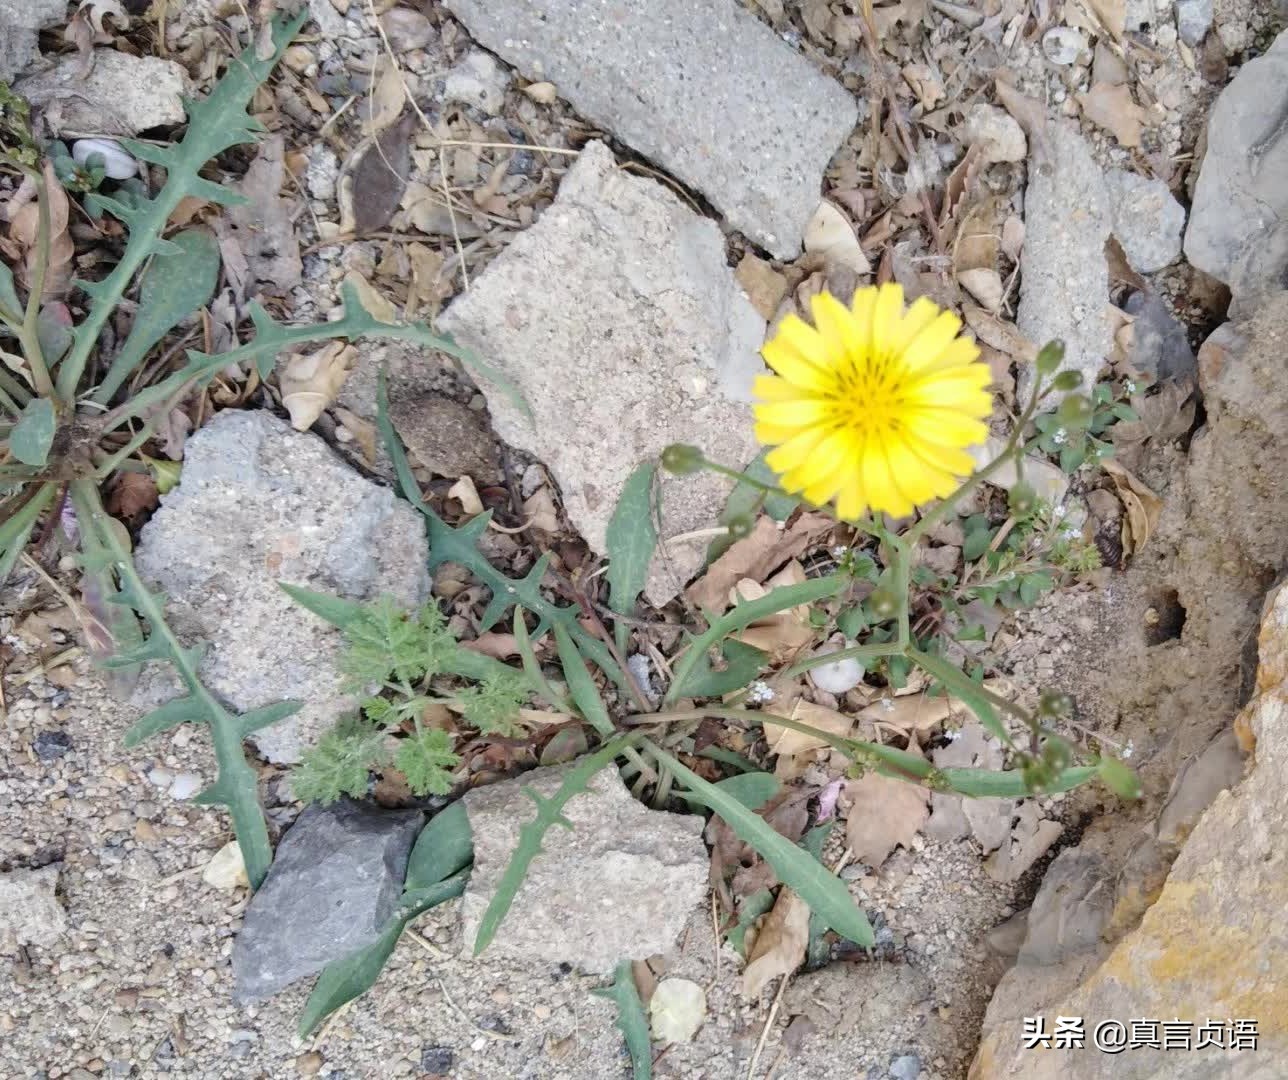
335 882
618 321
448 438
1148 220
20 23
1070 909
121 95
30 913
632 875
1065 279
706 90
258 504
1238 228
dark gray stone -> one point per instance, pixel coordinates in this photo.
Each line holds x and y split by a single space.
437 1060
1161 347
334 884
1070 910
706 90
51 745
20 23
905 1067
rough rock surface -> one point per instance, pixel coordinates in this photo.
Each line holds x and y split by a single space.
617 319
706 90
258 504
1193 20
335 882
631 875
1065 277
20 22
1214 945
1238 228
122 94
1160 344
478 80
1148 220
445 436
30 913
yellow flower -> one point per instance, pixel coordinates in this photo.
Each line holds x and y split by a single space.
874 405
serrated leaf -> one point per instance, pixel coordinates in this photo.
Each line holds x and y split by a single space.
630 541
444 847
425 758
632 1021
825 893
257 719
549 813
177 282
333 609
181 710
33 434
743 664
15 531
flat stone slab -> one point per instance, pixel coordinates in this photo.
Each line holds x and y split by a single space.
618 320
621 884
335 882
1064 275
258 504
704 89
1238 229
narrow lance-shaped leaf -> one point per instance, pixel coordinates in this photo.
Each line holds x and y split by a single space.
631 1020
961 687
630 541
15 531
580 684
173 286
825 893
444 847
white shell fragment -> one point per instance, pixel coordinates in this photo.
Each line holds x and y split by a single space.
676 1010
117 163
837 677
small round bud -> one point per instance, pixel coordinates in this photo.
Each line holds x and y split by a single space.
1068 380
1075 412
884 601
1022 499
682 459
740 526
1054 704
1051 357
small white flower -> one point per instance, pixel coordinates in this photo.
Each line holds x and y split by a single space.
1129 386
1128 750
1059 436
759 693
840 551
952 736
1058 512
1070 532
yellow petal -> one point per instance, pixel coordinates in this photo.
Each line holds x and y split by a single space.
799 413
772 388
796 450
878 482
919 315
950 458
773 434
850 503
786 359
863 306
928 347
944 426
836 324
886 313
822 490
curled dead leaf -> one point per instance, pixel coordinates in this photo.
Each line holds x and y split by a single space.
829 234
780 945
884 814
1143 506
24 229
755 557
309 383
1111 107
465 491
787 742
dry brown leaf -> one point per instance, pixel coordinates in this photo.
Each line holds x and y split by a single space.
978 237
467 494
132 494
543 93
925 83
310 383
784 633
755 557
1013 237
831 235
1000 334
1112 108
884 814
1029 113
377 305
363 432
787 742
262 228
1120 271
765 287
914 712
1112 15
376 178
1164 416
24 229
780 944
388 97
497 646
960 183
1142 505
539 511
985 285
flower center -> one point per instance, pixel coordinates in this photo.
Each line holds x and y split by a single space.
869 394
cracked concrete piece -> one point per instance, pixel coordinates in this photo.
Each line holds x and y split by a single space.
705 90
335 882
1238 228
260 503
1065 278
122 94
30 913
1148 220
631 876
20 23
618 320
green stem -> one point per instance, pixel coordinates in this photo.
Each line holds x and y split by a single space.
237 786
857 652
29 333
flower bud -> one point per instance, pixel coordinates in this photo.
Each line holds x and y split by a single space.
1051 356
740 526
1055 704
884 601
682 459
1075 412
1022 499
1068 380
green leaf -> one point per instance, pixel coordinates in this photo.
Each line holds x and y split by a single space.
258 719
181 710
338 612
493 706
631 1019
852 622
629 542
737 762
744 614
8 294
338 765
825 893
353 976
976 543
752 789
549 813
581 685
1009 783
33 434
444 847
744 664
1119 778
426 759
15 531
961 687
751 909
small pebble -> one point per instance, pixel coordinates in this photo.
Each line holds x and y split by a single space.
51 745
